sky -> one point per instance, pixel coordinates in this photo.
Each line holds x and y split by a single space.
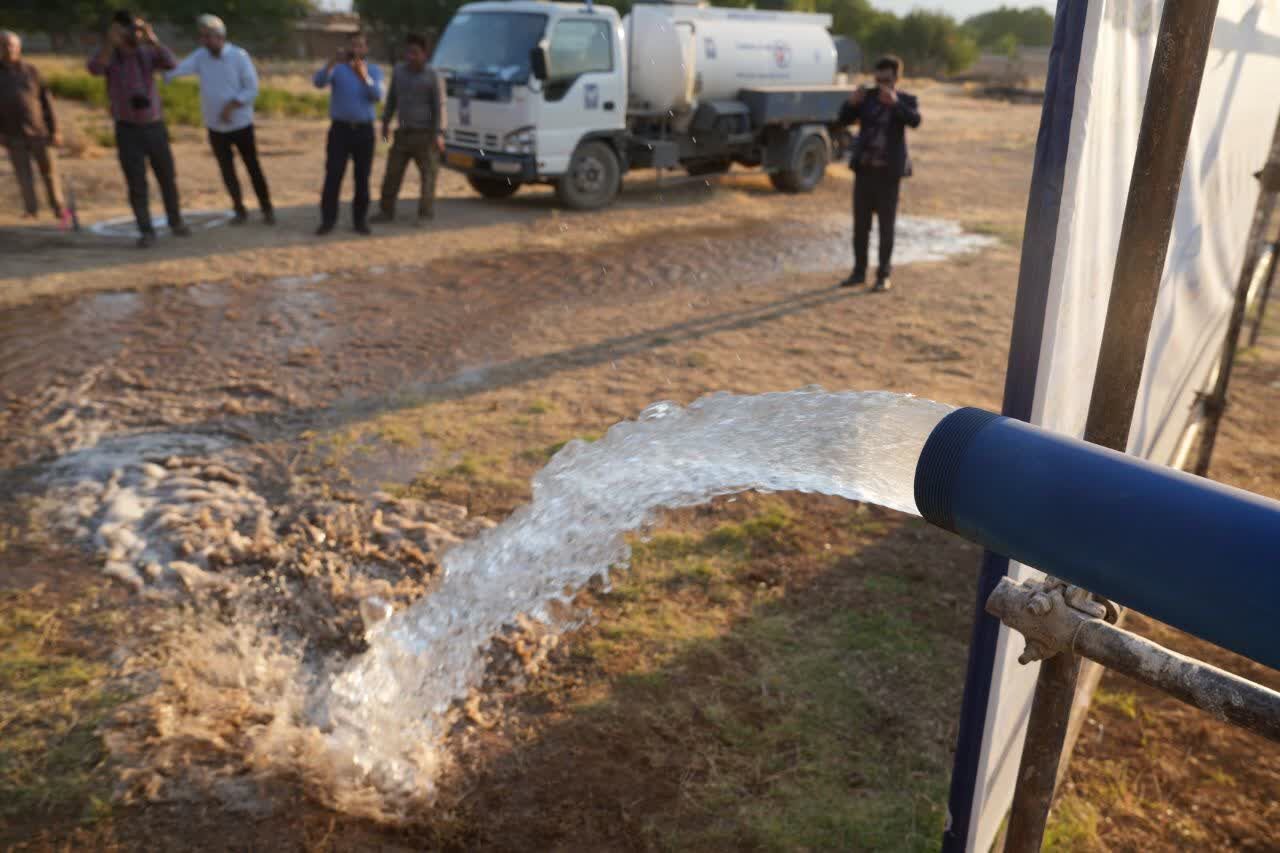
956 8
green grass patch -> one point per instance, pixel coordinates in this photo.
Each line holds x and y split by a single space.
1072 827
181 98
542 455
1121 701
756 532
54 693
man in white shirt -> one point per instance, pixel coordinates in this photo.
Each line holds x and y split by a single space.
228 88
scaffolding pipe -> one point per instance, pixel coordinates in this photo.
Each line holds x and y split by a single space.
1182 46
1047 620
1265 296
1215 402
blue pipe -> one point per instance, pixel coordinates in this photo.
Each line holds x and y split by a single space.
1196 554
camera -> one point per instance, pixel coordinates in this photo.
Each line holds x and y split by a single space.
140 101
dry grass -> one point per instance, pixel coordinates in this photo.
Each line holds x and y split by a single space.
55 690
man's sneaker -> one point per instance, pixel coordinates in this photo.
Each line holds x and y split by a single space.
882 284
382 218
147 240
268 217
180 230
241 217
325 228
362 228
854 279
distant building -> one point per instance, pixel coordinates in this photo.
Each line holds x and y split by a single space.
1028 66
319 35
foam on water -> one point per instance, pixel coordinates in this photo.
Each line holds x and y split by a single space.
384 715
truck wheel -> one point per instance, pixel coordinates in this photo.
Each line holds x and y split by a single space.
493 187
593 179
807 167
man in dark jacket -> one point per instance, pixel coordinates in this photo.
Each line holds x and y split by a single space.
28 125
880 162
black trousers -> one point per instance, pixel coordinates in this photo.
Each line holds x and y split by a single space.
241 140
354 142
874 191
136 144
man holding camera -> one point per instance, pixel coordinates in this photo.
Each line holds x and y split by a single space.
355 88
228 88
880 161
129 58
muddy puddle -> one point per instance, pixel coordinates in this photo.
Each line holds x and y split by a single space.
205 355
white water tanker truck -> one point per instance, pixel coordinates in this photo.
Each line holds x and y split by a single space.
569 95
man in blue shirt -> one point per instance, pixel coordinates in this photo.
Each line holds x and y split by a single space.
355 89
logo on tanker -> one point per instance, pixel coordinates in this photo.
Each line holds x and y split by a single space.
781 54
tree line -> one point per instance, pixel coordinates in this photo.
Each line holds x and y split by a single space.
64 20
928 42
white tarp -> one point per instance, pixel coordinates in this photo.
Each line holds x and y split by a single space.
1235 117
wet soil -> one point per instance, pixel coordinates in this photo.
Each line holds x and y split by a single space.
516 328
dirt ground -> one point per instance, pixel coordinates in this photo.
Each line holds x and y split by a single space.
768 676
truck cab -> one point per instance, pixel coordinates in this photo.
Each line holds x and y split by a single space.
536 94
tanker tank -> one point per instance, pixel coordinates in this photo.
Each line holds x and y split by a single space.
681 55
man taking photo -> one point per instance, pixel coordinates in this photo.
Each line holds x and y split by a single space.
228 88
417 93
129 58
28 126
355 89
880 161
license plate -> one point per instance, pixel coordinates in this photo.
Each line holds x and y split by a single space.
506 168
466 161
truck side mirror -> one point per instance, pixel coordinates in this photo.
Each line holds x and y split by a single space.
538 61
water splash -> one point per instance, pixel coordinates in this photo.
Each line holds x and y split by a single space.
384 715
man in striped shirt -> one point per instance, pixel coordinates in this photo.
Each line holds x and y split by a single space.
129 59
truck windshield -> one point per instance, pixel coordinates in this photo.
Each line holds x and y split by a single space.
490 44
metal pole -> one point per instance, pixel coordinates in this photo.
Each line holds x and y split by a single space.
1215 403
1182 46
1226 697
1270 178
1265 296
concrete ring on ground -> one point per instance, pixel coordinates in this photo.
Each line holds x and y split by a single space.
197 220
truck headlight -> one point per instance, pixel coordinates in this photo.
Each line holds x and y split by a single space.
523 140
